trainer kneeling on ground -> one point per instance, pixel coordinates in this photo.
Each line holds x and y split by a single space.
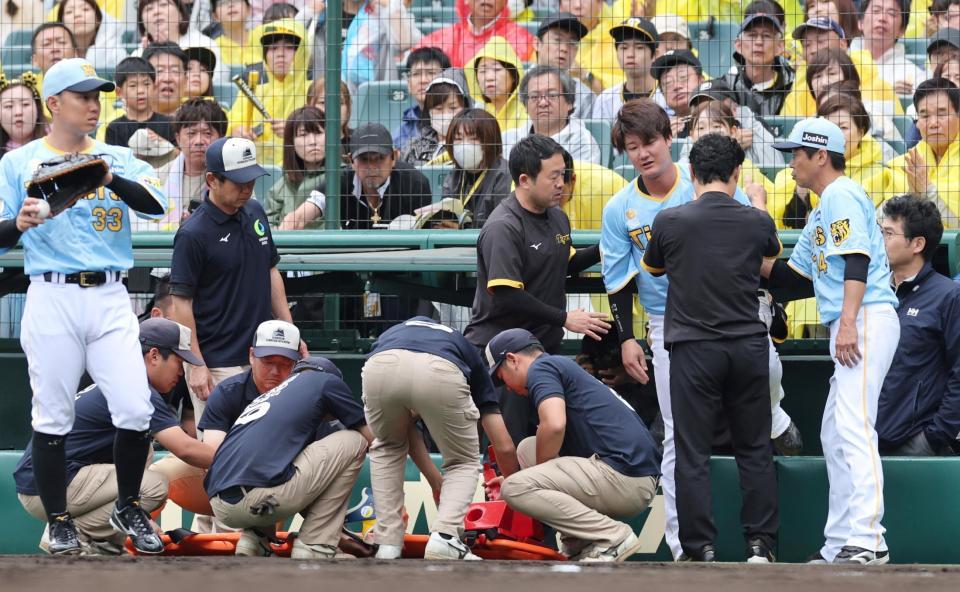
592 459
422 368
276 462
91 475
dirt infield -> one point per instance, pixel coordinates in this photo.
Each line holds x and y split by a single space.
232 575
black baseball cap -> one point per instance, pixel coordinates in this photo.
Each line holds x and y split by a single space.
948 36
318 363
507 342
673 58
371 137
822 23
235 159
565 21
163 333
636 28
715 90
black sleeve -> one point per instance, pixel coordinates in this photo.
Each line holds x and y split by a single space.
784 279
9 233
583 259
653 257
187 265
855 267
521 303
135 195
501 248
621 307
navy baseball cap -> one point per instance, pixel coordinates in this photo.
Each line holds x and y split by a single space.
822 23
277 338
565 21
75 75
814 132
761 17
318 363
235 159
672 59
163 333
507 342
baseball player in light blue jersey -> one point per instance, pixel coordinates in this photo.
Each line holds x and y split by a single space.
78 315
841 252
642 131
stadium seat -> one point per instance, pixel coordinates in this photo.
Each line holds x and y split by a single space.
716 51
263 184
770 172
782 125
15 55
15 70
915 46
445 15
919 59
225 94
130 36
436 174
903 123
626 171
600 130
18 37
382 102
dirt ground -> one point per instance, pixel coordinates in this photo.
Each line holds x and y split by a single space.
229 575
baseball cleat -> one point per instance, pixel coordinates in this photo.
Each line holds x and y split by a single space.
790 442
758 552
253 543
444 546
850 555
135 523
62 538
389 552
617 553
817 559
707 555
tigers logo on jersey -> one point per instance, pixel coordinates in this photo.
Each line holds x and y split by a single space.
840 230
641 236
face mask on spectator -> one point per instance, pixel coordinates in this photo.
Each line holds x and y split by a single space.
441 123
468 155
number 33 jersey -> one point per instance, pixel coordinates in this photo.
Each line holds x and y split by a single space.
94 234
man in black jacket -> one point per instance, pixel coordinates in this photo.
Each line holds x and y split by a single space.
763 78
379 187
919 409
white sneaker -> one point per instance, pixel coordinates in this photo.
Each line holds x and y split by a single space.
617 553
253 544
440 547
389 552
302 550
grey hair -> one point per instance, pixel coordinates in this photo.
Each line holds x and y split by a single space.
566 84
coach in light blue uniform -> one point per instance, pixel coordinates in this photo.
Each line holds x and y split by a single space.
841 252
78 314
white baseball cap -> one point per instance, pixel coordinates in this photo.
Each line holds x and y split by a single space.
235 159
277 338
671 23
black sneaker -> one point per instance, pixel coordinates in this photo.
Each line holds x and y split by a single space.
817 559
63 536
759 552
850 555
707 555
789 443
135 523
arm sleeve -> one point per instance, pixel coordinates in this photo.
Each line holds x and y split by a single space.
136 196
583 259
945 427
500 247
616 249
339 402
12 194
151 205
855 267
9 233
523 304
621 307
785 278
773 247
653 257
186 268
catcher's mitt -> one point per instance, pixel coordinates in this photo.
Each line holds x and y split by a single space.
62 181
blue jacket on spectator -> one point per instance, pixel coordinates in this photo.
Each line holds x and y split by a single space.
409 128
922 388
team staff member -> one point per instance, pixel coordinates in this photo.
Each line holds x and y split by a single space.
642 131
78 313
711 249
224 278
428 369
919 409
92 490
592 461
253 485
524 255
840 251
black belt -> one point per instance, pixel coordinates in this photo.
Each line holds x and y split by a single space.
232 495
86 279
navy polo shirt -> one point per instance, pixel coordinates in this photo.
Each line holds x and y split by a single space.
260 448
227 402
90 442
223 263
598 420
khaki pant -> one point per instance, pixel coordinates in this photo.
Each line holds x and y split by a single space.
185 484
91 497
319 491
218 375
579 497
396 382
